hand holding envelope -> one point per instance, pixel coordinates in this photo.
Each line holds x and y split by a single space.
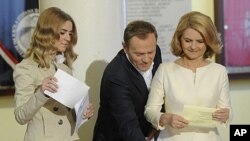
72 93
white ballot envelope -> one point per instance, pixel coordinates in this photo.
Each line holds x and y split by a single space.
199 116
70 90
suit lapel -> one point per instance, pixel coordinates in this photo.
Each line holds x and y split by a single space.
139 82
135 76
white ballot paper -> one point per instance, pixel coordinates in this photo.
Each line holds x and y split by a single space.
80 109
72 93
199 116
70 90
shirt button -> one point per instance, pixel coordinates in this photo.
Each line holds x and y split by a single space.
55 109
60 122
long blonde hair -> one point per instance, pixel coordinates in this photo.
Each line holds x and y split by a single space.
46 33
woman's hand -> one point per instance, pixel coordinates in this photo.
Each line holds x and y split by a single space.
173 120
90 111
49 84
221 115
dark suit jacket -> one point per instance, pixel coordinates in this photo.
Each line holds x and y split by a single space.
123 95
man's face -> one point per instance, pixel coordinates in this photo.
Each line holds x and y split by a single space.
141 52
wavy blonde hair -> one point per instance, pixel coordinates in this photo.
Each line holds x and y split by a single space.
202 24
46 33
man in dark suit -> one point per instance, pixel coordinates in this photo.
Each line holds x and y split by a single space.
125 86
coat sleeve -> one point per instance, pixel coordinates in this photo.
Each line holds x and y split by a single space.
28 99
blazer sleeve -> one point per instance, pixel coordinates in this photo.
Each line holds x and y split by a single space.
224 98
123 110
153 108
28 99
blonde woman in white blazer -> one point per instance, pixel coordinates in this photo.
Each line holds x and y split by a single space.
190 80
51 48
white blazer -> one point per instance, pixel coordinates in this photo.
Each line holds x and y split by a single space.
176 86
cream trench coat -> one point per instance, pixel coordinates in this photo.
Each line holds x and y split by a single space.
176 86
46 119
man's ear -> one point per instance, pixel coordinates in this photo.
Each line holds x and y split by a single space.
125 47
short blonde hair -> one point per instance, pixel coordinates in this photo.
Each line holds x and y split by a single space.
202 24
47 31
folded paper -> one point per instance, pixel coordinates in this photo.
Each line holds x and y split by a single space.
199 116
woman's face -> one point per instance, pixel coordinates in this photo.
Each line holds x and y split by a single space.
65 36
193 45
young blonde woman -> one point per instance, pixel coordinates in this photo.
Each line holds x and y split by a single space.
51 48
